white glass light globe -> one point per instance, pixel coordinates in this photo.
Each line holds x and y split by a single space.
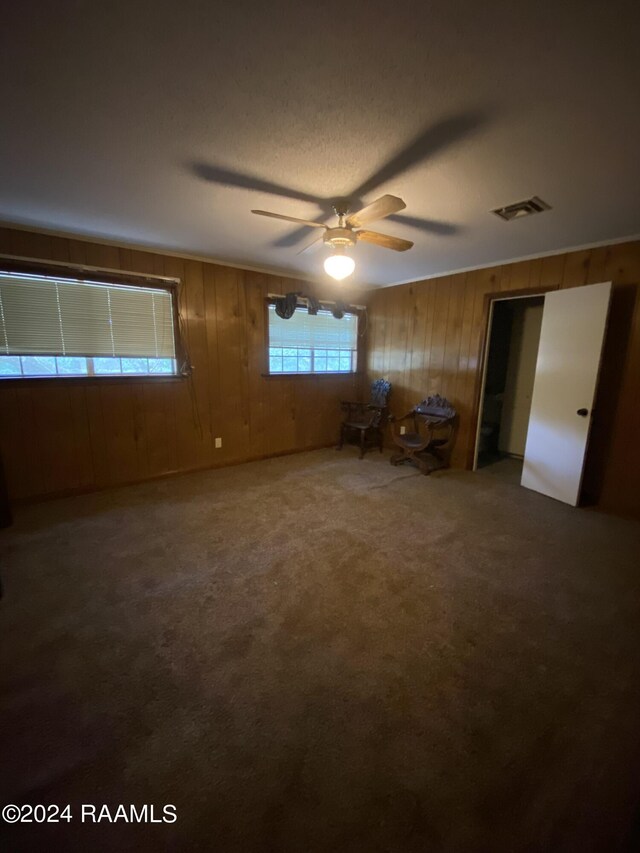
339 266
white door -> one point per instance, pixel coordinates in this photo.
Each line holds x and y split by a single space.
571 339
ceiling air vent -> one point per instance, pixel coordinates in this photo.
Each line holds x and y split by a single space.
522 208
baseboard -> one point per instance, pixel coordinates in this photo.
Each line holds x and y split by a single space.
167 475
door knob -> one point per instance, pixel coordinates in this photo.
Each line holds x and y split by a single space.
582 412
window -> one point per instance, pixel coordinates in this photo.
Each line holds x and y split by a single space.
65 327
308 343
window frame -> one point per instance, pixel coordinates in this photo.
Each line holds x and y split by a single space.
266 374
83 272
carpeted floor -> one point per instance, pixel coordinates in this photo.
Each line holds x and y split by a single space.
313 653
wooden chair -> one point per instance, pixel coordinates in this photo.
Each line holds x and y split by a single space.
429 441
366 421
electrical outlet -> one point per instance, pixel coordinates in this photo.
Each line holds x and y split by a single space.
218 443
403 429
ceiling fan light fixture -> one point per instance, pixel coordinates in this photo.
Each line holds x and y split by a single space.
338 265
349 231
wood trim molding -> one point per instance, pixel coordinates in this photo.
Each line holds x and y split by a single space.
69 493
19 264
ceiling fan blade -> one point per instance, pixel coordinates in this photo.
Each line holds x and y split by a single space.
381 207
312 245
290 219
384 240
293 238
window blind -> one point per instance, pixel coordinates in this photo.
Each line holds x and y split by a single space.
321 331
42 315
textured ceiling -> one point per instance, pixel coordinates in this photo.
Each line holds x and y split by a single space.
163 124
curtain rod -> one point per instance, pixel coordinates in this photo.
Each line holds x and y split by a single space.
87 268
321 301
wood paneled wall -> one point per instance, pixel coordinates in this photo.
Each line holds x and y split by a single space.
427 337
76 435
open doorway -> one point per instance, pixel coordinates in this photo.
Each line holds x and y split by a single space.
513 337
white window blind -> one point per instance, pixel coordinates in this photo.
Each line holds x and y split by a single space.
307 343
306 330
42 315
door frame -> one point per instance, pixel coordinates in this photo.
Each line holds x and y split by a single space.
485 339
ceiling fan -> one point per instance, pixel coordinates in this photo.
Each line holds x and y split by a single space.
349 230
